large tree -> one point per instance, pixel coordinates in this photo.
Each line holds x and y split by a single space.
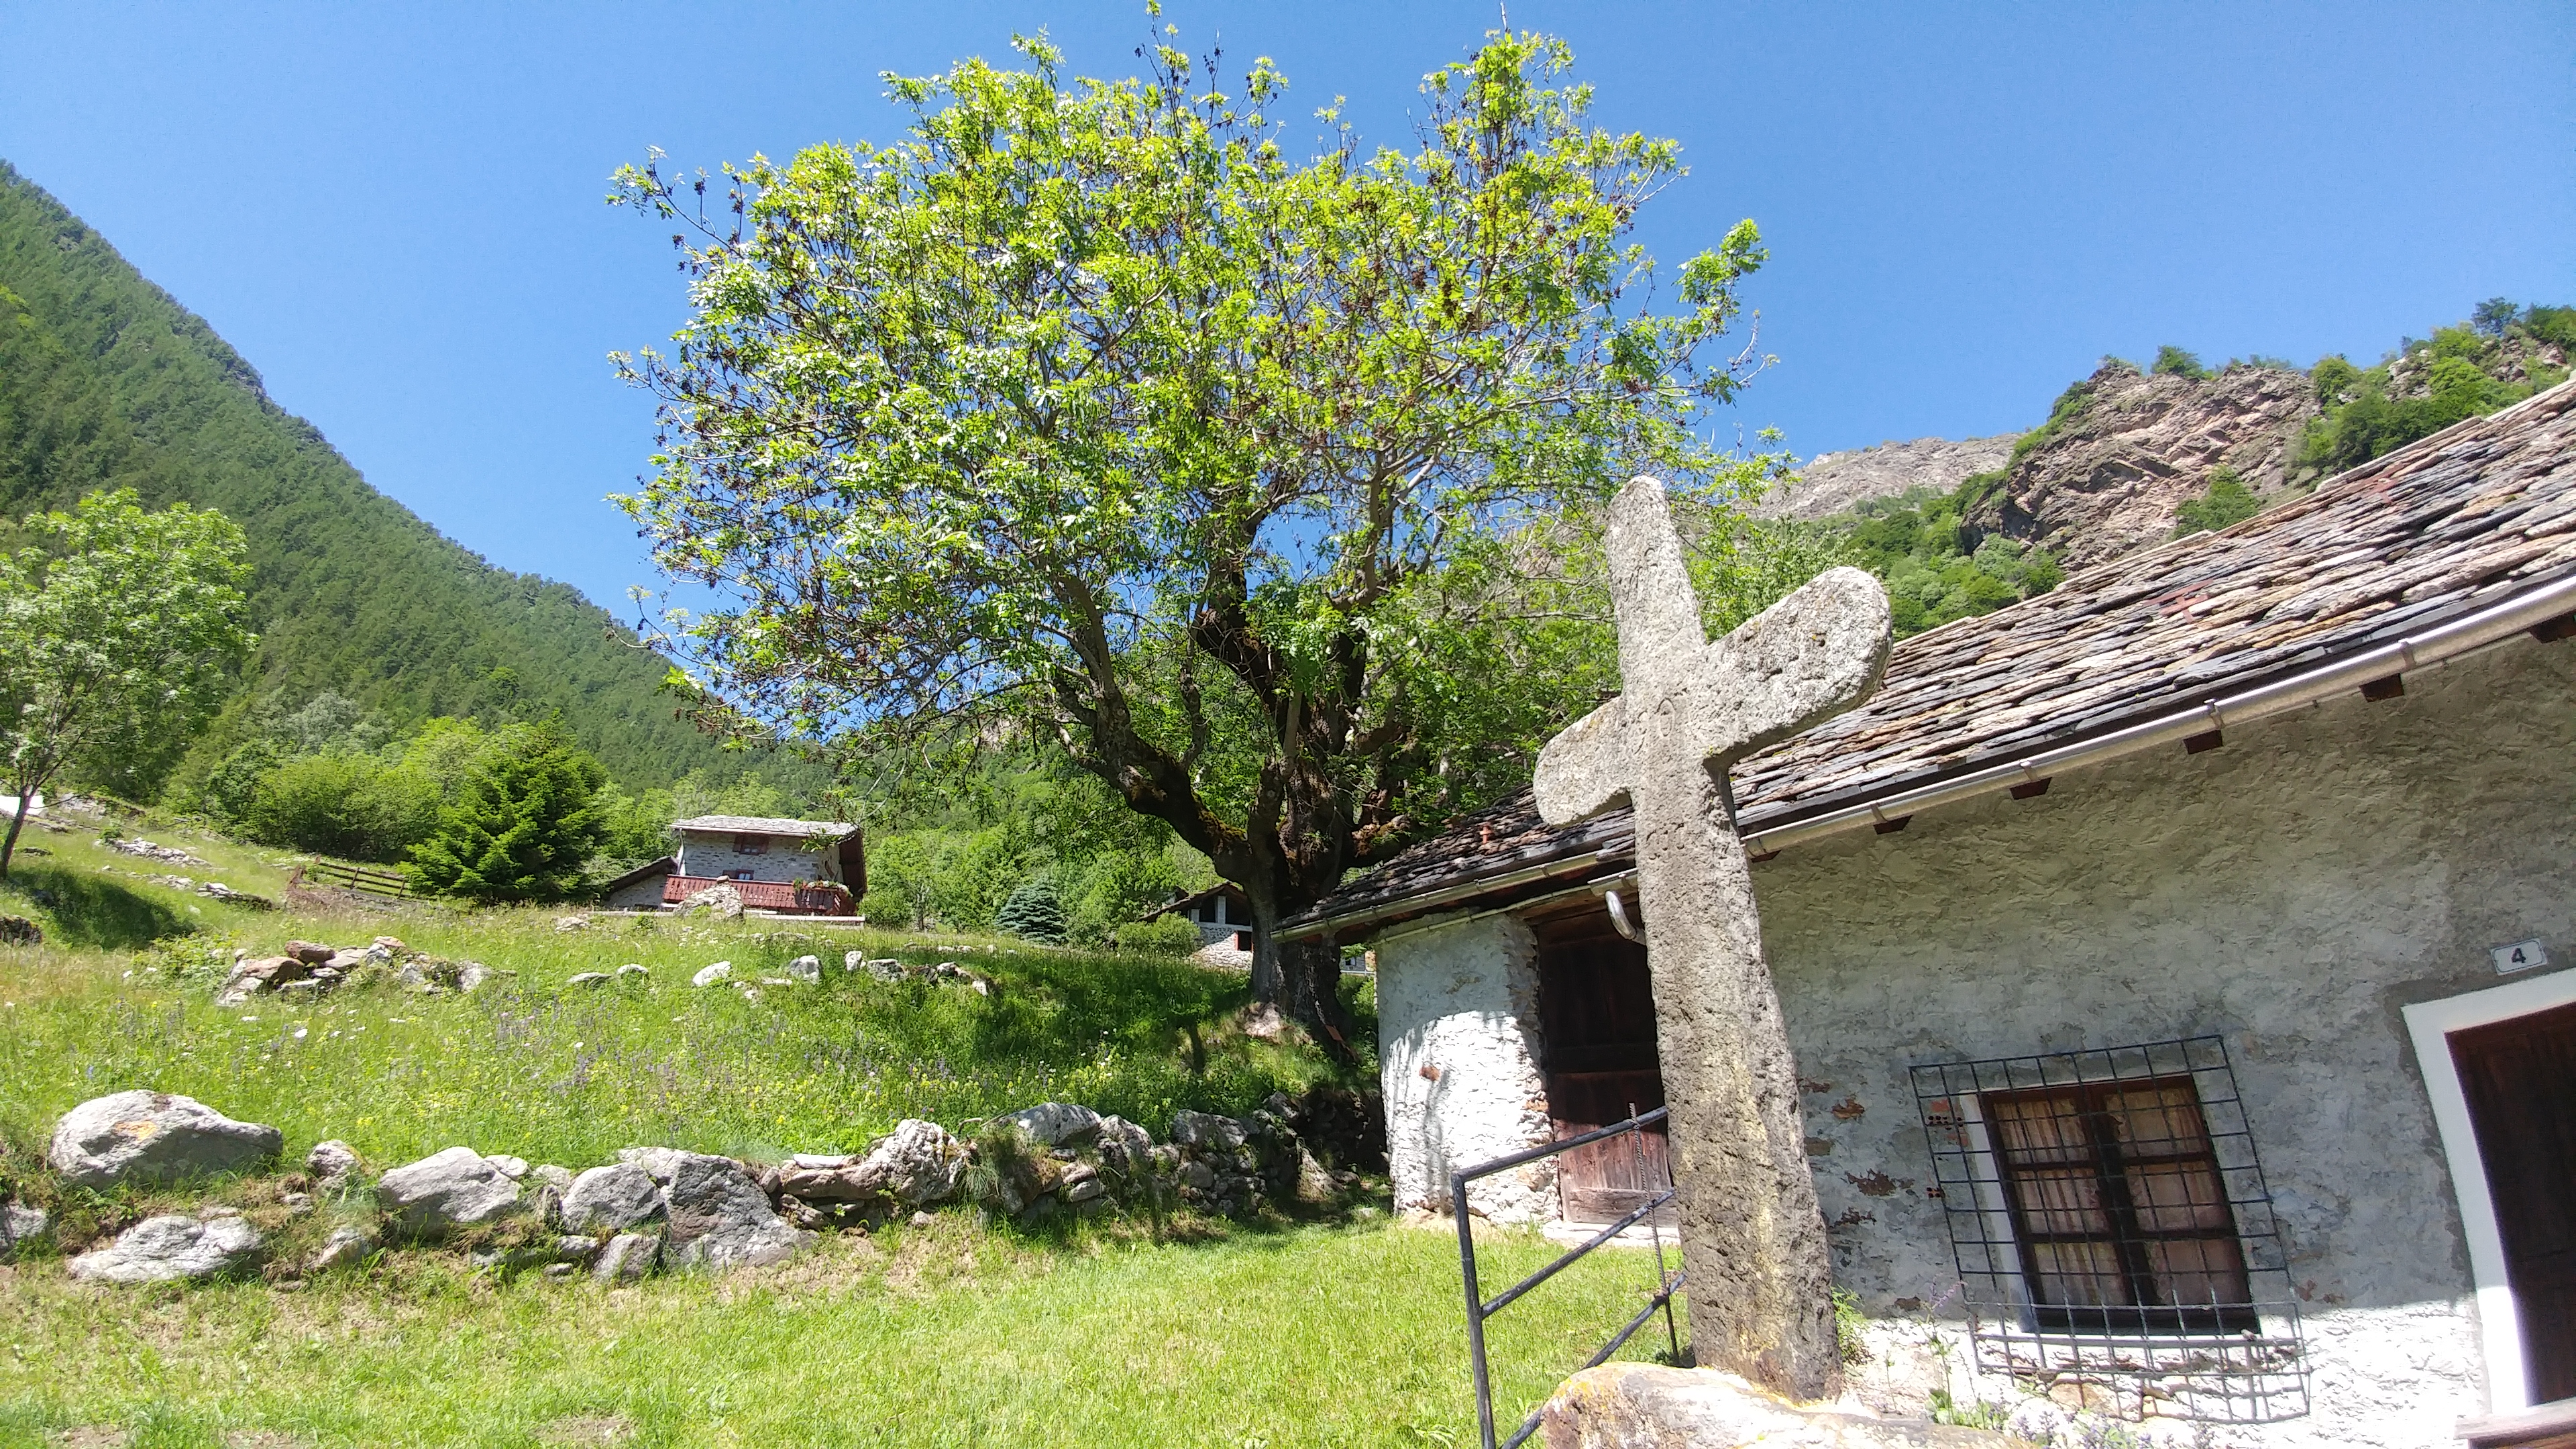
120 631
1085 412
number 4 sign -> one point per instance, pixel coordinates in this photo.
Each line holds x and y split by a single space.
2520 956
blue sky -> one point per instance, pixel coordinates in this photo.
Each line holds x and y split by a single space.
396 215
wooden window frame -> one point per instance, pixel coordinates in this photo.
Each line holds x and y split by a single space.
2110 1163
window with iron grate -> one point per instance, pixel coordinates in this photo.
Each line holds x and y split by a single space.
2111 1227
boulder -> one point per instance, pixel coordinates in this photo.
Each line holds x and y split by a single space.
154 1137
612 1199
916 1164
309 953
558 1178
807 969
1643 1406
331 1163
720 1218
391 945
345 1246
587 978
1057 1124
1126 1148
884 968
21 1226
471 976
1206 1129
572 923
171 1248
343 962
658 1163
265 973
633 971
721 901
712 973
510 1167
446 1190
627 1257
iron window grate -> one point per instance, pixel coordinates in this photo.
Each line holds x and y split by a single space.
2112 1230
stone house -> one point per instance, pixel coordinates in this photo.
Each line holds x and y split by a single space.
808 867
1223 915
2176 965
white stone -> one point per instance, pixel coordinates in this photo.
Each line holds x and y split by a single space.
153 1138
627 1257
331 1163
172 1248
455 1188
808 969
1054 1124
712 973
345 1246
633 970
22 1225
587 978
615 1198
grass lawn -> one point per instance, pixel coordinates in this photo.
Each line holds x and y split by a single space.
1341 1330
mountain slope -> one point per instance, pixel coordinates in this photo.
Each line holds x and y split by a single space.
105 381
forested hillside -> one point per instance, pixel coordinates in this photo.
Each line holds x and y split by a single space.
105 381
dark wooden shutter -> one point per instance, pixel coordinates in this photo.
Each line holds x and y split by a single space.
2520 1080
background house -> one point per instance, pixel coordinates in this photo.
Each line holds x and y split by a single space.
1224 918
2187 1031
812 867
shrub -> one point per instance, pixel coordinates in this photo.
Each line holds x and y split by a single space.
2226 501
2175 362
353 806
1161 936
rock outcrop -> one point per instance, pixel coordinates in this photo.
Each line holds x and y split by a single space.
720 1218
153 1138
2125 450
1835 482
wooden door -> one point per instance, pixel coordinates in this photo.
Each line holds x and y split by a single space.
2520 1079
1597 1042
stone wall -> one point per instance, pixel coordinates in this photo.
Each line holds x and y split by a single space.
1458 1053
2291 892
705 853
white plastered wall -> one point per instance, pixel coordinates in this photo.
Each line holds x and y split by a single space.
1458 1053
2294 892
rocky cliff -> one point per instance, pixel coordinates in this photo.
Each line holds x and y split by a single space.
1831 483
2122 451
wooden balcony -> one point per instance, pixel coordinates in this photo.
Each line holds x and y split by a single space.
791 898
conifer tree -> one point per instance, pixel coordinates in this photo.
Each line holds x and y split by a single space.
520 825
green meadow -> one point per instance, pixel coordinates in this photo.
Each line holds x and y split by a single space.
1327 1327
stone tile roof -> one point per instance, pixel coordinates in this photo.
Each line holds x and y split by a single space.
2482 511
763 825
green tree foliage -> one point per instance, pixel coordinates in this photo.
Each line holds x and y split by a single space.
1086 410
120 630
2175 362
1033 910
637 828
2457 373
1934 566
357 807
106 382
2227 500
522 824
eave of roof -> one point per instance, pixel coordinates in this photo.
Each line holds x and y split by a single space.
763 825
2441 531
646 871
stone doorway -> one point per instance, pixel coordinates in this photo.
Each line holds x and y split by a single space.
1597 1044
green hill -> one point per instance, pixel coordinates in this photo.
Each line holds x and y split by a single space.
105 381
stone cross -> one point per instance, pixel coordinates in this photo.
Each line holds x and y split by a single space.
1753 1239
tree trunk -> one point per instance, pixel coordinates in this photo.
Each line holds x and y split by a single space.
9 845
1302 979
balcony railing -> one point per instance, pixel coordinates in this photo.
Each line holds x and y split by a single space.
799 898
